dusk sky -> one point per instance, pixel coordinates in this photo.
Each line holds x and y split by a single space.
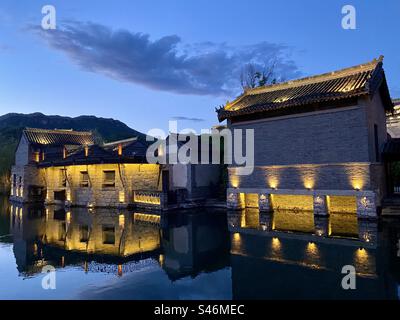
145 62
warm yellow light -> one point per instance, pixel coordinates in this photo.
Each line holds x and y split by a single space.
312 248
273 182
357 183
120 270
121 220
235 181
86 151
36 156
309 184
152 218
120 149
68 217
361 256
243 220
68 195
161 259
121 196
276 244
148 198
236 237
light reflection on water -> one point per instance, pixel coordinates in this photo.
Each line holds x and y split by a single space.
202 254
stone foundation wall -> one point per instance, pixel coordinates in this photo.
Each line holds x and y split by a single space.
320 202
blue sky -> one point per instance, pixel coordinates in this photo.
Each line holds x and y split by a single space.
176 58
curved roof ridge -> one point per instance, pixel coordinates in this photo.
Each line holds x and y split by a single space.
324 76
60 131
120 141
337 74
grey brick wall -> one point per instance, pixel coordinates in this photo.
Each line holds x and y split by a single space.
329 150
330 137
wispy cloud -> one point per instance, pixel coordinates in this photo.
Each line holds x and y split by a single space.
4 47
181 118
166 64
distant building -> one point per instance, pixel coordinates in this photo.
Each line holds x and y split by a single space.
393 120
68 167
318 143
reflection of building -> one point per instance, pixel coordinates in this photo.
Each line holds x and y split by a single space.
118 241
78 236
65 166
271 264
318 142
337 225
194 243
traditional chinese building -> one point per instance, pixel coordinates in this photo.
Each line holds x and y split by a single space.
393 120
318 143
68 167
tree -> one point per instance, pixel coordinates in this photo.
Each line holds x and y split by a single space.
253 75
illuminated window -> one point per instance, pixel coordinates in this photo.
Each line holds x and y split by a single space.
109 179
84 180
36 156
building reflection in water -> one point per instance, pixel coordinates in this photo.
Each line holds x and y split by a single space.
294 255
285 255
117 241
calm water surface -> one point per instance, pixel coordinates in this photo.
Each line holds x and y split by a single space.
200 254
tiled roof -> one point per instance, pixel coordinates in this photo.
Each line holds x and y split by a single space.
58 137
347 83
98 154
130 147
